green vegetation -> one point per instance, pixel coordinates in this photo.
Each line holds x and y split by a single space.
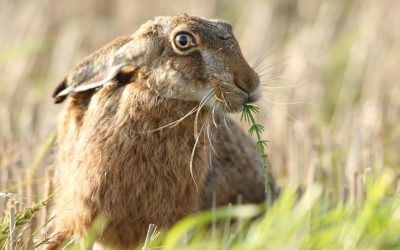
248 113
309 222
20 221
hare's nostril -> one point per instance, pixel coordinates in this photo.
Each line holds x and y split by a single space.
252 91
247 87
241 86
247 81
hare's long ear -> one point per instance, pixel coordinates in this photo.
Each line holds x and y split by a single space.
95 70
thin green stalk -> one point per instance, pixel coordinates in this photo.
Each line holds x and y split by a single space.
248 113
43 151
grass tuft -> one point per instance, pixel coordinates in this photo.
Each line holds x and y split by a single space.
20 219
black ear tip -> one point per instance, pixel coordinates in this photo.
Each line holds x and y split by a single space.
61 86
59 99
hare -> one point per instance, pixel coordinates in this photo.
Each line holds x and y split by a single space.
144 136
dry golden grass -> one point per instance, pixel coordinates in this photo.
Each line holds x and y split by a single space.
330 71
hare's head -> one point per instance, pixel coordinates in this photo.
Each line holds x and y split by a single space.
194 59
190 59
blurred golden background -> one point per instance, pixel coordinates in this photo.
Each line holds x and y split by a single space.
329 68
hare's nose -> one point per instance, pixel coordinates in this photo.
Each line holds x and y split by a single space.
246 79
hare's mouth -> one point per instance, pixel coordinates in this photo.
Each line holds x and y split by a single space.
229 98
254 96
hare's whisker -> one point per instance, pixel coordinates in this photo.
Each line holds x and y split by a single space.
211 149
213 114
223 97
265 84
266 101
269 67
264 55
216 97
284 103
263 112
208 97
261 58
208 131
198 133
192 156
176 122
226 122
226 83
210 139
172 124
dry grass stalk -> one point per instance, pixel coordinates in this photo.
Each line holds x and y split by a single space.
12 238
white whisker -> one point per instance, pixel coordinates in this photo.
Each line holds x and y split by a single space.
213 114
208 97
286 113
192 156
176 122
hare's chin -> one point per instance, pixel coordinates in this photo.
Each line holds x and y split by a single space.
237 105
236 109
228 107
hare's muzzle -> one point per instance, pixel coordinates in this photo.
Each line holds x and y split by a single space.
246 79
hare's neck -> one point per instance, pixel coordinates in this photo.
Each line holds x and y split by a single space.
165 140
172 134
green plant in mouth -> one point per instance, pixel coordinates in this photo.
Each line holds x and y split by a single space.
248 115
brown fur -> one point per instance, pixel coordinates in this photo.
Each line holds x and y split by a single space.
235 168
114 161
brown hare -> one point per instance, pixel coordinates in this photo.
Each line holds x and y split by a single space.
144 136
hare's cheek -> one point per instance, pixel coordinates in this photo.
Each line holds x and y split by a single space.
164 83
172 84
193 93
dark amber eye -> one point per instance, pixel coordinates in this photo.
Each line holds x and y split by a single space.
184 41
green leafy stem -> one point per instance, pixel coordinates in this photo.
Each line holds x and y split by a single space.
248 113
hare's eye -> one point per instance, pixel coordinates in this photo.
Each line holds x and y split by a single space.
184 41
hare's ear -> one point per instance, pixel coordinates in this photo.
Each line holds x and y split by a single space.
65 87
95 70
